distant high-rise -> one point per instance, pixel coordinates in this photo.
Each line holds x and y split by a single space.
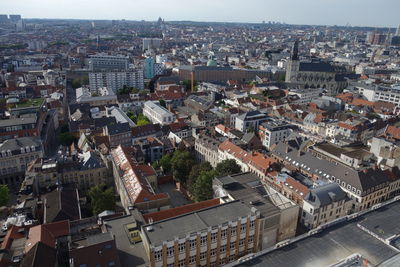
398 31
3 18
15 18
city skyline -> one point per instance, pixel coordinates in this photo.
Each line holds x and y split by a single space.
308 12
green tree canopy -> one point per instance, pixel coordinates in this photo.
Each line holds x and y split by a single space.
182 162
79 82
227 167
4 195
195 172
101 198
66 139
142 120
165 162
203 187
163 103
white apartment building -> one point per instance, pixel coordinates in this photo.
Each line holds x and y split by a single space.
104 62
272 132
157 113
116 80
379 93
305 95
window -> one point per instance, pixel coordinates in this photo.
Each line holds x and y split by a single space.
203 240
213 252
83 265
181 247
213 237
251 239
111 263
251 224
243 227
223 248
233 231
223 234
203 255
192 244
232 245
241 242
181 263
108 246
158 255
192 259
170 252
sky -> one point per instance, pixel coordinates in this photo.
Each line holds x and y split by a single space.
382 13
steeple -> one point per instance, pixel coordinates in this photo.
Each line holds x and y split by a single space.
295 51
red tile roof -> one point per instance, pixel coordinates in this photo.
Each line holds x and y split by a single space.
166 214
47 234
393 132
258 160
134 177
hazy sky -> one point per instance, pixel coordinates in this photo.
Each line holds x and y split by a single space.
326 12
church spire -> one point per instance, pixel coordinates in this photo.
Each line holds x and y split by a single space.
295 50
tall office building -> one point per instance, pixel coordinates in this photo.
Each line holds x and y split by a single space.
15 18
398 31
104 62
116 80
149 68
3 18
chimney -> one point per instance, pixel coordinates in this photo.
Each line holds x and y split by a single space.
286 148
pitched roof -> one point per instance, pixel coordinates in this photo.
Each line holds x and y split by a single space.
46 234
62 204
134 177
325 195
41 255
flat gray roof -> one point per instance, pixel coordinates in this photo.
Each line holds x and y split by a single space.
340 241
180 226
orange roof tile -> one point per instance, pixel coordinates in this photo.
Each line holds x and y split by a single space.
169 213
47 234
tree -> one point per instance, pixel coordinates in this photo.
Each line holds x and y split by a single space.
66 139
203 186
79 82
188 85
165 162
181 162
101 198
142 120
4 195
163 103
227 167
195 172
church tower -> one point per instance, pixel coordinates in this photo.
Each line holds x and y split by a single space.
293 65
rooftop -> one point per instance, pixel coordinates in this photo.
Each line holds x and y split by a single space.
195 222
340 241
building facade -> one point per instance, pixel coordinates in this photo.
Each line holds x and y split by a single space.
158 114
104 62
15 155
116 80
211 241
